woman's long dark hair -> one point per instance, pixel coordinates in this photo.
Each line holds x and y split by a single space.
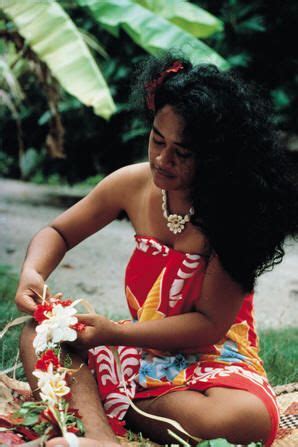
244 194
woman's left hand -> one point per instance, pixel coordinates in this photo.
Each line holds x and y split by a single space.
99 330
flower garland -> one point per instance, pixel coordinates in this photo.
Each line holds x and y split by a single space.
53 416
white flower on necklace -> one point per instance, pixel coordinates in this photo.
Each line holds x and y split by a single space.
56 328
52 385
175 222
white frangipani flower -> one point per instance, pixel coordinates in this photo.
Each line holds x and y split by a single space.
61 320
56 328
42 338
52 385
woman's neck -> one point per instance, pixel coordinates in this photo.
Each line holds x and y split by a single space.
178 201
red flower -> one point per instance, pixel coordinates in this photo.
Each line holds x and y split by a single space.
48 357
74 412
68 396
64 303
117 426
79 327
28 432
72 429
48 416
39 313
151 86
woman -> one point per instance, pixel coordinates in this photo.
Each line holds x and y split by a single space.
211 210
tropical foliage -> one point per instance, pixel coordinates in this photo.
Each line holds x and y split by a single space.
257 40
54 40
43 120
53 36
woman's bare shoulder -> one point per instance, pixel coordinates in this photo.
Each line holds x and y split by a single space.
137 173
124 184
116 192
131 179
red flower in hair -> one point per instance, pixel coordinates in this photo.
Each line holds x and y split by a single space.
48 357
39 313
152 85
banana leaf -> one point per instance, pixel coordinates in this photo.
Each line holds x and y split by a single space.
9 81
53 36
190 17
153 33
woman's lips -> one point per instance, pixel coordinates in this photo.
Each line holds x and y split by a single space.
164 173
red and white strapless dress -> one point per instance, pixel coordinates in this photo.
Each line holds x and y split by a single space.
161 282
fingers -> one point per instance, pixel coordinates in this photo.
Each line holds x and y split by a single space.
27 299
89 319
26 304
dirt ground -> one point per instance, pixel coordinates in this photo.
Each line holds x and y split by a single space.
95 269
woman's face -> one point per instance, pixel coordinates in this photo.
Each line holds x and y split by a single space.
171 162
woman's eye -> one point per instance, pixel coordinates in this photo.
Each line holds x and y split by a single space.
183 154
159 143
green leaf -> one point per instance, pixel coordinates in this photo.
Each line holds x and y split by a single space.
29 412
150 31
67 362
240 60
41 428
281 98
55 39
8 78
253 24
131 134
29 162
35 405
93 43
44 118
31 419
220 442
2 25
215 443
187 16
6 162
23 411
80 425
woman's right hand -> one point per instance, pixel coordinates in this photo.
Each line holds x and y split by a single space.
29 291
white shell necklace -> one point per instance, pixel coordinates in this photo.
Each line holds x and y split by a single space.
176 222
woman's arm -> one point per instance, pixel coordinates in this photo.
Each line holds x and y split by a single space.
219 303
173 333
47 248
44 253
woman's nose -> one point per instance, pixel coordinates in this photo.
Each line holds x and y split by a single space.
166 157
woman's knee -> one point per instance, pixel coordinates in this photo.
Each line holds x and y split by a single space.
239 426
205 425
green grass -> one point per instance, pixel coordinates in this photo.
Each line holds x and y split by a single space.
277 346
8 311
279 353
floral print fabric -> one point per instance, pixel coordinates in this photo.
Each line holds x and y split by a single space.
161 282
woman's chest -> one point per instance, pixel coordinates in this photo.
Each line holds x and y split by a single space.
161 281
147 218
